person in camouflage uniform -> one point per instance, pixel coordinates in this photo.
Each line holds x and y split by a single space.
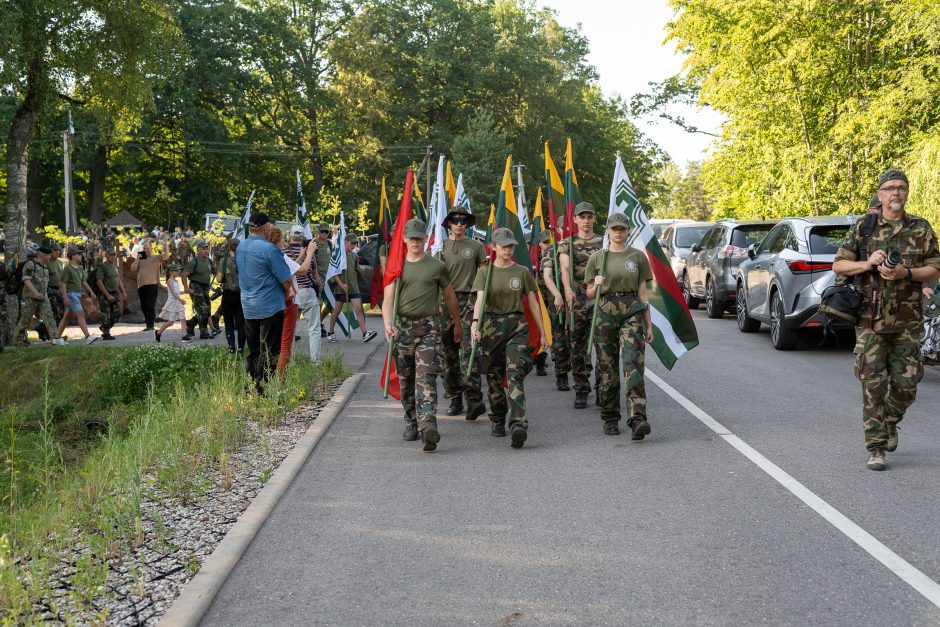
53 292
182 251
416 330
33 298
887 349
462 257
623 326
197 279
555 302
504 335
585 243
109 293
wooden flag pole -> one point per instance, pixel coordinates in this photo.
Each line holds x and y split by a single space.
391 340
597 304
571 274
473 342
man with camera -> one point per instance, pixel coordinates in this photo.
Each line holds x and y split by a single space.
891 263
197 279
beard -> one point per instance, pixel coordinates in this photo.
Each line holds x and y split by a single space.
896 206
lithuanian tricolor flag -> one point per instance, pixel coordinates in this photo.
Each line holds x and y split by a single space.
554 191
507 217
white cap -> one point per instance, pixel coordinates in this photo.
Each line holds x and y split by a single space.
297 230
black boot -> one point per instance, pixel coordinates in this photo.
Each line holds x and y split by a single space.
456 406
561 382
540 366
611 428
597 398
640 428
411 432
498 430
430 437
519 436
580 400
475 410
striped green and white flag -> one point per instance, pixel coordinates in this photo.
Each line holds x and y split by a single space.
302 219
675 329
241 231
461 199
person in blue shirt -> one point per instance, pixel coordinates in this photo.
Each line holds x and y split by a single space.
266 288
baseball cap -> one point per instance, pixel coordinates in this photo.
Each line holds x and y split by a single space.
45 250
892 175
258 219
201 243
504 237
323 226
618 219
351 237
583 207
415 228
544 236
296 231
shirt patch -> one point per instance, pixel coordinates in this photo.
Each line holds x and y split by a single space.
515 283
630 265
467 253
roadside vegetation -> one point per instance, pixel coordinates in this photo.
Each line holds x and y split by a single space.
86 430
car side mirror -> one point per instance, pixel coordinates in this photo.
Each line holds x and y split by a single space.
695 248
752 251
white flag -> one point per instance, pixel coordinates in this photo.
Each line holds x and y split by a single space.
338 258
462 200
302 219
242 228
438 232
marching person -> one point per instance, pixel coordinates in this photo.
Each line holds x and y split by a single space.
585 244
423 284
504 335
74 284
892 262
147 266
53 292
348 284
110 288
35 302
197 278
324 252
623 327
173 310
231 307
462 257
555 301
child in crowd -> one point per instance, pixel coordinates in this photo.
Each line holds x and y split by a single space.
173 310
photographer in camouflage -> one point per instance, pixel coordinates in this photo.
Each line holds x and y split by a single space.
892 263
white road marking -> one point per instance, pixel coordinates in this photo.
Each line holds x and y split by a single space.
926 586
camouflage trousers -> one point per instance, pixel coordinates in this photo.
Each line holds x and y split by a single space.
110 311
418 363
201 304
457 356
580 358
620 341
40 309
889 367
561 353
506 356
54 296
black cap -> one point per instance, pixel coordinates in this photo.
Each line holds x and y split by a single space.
45 250
892 175
258 219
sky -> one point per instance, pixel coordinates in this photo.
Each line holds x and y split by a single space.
626 40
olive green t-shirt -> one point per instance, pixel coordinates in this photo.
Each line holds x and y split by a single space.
507 288
55 273
421 285
624 271
462 258
73 277
324 251
200 270
108 273
350 276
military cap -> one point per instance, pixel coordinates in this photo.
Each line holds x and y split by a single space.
415 228
75 251
55 246
458 210
618 219
323 226
583 207
874 203
891 175
175 267
201 243
110 251
504 237
351 237
544 236
44 249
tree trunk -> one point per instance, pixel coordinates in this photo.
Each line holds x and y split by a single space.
34 195
96 181
316 161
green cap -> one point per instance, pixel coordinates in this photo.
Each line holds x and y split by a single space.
874 203
544 236
618 219
415 228
200 243
323 226
504 237
892 175
174 267
584 207
351 237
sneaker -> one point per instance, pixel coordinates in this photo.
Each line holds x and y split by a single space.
368 337
892 444
215 331
611 428
59 341
498 430
187 339
411 432
430 437
108 336
561 382
456 406
322 331
876 460
519 436
332 338
475 410
205 335
640 429
91 339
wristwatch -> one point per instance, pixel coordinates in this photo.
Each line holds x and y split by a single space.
910 275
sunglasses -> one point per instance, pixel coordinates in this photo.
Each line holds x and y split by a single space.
458 220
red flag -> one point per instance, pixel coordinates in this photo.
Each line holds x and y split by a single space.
384 235
393 268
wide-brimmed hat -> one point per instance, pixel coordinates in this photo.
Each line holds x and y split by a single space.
458 210
618 219
504 237
415 228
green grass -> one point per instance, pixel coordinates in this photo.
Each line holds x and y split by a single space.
172 413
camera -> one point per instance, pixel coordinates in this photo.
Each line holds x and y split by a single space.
892 260
142 255
215 293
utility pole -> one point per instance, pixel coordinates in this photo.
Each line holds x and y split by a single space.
71 219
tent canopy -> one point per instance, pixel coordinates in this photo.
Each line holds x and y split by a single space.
123 219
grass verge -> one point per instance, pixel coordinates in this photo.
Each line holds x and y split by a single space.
170 413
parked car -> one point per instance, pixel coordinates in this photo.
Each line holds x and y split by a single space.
677 241
711 268
783 278
659 224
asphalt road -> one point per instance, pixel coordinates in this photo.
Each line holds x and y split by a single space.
583 528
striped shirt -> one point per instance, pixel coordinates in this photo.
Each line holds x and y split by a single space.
303 280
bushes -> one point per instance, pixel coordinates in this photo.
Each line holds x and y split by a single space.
129 376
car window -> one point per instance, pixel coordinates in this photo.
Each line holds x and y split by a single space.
657 229
792 243
780 240
769 239
667 234
744 236
686 236
709 237
825 240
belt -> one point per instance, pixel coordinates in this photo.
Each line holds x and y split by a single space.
630 294
410 319
506 315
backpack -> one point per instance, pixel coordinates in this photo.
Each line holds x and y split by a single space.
14 280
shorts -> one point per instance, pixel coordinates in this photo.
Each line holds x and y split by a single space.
341 296
75 301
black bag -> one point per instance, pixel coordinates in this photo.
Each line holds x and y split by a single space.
843 302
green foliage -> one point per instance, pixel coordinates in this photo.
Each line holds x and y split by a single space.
479 153
129 376
684 195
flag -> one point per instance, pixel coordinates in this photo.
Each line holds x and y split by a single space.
384 236
538 225
572 193
346 324
438 210
554 192
420 211
338 257
393 268
302 218
675 329
241 231
507 217
523 215
450 187
460 196
490 224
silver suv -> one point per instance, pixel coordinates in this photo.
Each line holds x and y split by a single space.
783 278
678 239
712 267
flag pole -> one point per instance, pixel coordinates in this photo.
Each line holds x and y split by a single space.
571 273
473 342
391 340
597 303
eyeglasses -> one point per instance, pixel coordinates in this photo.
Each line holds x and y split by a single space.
901 189
327 232
458 220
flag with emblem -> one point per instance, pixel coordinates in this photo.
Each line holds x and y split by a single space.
451 187
241 231
336 268
438 211
383 237
301 218
675 332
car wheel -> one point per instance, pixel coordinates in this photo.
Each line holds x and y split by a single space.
783 338
712 307
690 301
746 324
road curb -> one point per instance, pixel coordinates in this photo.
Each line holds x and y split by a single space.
198 594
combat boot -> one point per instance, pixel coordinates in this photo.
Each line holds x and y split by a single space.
640 428
498 430
456 406
892 444
430 437
475 410
411 432
205 335
580 400
611 427
597 398
540 370
876 459
519 436
561 382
